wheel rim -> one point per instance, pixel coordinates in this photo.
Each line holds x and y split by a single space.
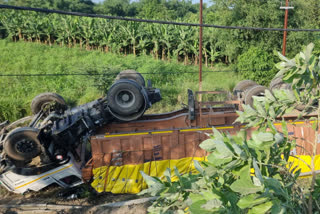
125 98
26 146
260 94
46 107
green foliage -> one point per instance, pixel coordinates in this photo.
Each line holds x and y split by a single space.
303 73
24 58
316 193
257 64
267 109
257 13
225 183
85 6
115 7
161 41
218 45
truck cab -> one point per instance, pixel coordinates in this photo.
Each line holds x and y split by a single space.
66 175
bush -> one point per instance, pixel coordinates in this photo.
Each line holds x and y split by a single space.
257 65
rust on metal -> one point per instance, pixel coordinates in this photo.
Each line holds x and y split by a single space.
285 27
200 48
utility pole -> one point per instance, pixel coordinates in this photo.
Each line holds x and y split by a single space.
200 50
286 8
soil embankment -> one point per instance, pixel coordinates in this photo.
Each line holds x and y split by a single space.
48 202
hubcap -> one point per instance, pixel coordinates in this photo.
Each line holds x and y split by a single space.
125 98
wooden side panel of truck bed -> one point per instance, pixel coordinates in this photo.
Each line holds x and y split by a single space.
120 151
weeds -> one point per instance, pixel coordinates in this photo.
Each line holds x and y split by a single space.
16 93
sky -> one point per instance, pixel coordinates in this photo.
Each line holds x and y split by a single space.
194 1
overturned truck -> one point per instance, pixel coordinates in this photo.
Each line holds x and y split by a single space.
54 138
108 142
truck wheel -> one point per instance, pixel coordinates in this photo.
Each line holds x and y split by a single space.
22 144
257 90
125 97
48 101
277 83
131 75
243 85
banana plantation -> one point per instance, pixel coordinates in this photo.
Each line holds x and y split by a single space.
165 42
168 42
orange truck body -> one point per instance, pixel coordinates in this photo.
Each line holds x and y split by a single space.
160 141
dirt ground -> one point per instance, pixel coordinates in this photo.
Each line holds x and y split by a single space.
90 201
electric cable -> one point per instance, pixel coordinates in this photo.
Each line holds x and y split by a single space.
116 73
48 11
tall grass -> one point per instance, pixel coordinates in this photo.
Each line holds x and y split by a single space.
16 93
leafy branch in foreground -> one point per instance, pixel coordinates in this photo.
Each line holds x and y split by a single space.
253 175
303 74
225 182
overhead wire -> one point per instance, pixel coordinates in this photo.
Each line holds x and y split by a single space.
116 73
50 11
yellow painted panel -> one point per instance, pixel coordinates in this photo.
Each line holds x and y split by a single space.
128 179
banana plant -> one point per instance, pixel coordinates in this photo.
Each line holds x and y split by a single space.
35 28
71 26
87 30
154 33
9 22
109 31
144 42
166 40
50 29
161 41
131 31
185 42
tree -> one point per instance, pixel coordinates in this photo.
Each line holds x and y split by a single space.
178 9
85 6
152 9
257 64
113 7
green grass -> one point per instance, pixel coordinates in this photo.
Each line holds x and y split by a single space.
16 93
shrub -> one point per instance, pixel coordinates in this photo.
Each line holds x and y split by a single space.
257 65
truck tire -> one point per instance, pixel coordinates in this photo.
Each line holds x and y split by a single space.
131 75
274 82
125 97
257 90
243 85
44 99
278 83
22 144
